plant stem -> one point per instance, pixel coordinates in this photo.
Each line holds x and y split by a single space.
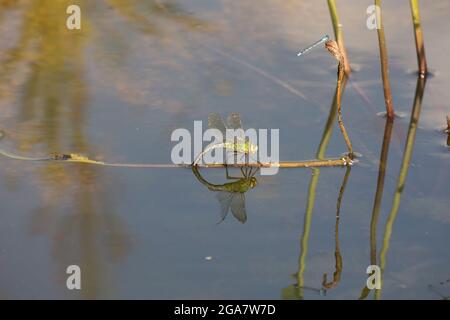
420 46
345 161
384 62
339 34
336 51
337 162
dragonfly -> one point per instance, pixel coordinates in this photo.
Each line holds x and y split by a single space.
240 145
325 38
231 195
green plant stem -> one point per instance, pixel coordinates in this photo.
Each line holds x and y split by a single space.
418 34
339 34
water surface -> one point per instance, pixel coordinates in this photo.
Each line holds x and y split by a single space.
140 69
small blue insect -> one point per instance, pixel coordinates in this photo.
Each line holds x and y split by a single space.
322 40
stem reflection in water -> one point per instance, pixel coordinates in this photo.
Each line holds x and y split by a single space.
409 146
297 291
337 253
378 197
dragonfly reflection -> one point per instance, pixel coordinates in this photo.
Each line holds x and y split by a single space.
231 195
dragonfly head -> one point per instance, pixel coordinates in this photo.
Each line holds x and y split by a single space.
253 148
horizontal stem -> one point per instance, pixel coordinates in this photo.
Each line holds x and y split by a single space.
337 162
290 164
345 161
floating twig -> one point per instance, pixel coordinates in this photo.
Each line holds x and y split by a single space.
338 162
75 158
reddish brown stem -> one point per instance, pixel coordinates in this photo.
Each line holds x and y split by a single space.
384 62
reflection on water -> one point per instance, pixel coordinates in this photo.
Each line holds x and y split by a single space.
337 253
448 131
296 291
378 197
439 288
410 140
231 195
409 145
436 291
53 103
147 15
139 69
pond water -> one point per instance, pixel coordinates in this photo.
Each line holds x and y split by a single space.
116 89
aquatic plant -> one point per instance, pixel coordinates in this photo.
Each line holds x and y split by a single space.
418 35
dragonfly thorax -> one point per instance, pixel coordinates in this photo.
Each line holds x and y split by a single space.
243 147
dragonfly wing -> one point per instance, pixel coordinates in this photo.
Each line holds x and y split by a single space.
239 157
238 207
230 157
225 200
215 121
234 121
